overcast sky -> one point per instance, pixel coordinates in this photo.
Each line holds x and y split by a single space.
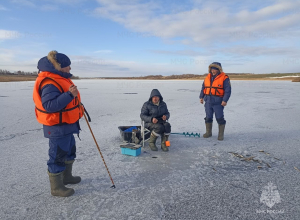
138 37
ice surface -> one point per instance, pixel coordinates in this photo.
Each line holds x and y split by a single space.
197 179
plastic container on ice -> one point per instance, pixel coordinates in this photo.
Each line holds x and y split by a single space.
131 149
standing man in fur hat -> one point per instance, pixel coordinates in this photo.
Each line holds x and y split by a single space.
216 91
155 113
57 107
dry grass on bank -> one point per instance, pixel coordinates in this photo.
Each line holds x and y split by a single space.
16 78
275 77
296 79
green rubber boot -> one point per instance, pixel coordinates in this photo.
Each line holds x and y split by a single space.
221 132
164 138
152 142
208 130
68 178
57 186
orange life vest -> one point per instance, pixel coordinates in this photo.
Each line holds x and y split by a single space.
215 88
70 114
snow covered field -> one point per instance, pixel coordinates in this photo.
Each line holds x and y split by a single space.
197 179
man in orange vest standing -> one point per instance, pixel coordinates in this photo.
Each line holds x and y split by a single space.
57 107
216 91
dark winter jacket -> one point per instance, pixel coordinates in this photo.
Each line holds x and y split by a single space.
212 99
53 100
150 111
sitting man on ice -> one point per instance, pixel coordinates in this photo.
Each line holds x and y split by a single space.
155 114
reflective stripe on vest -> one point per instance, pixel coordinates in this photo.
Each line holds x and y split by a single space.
216 87
69 115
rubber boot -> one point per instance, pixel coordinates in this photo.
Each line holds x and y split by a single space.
57 186
164 138
68 178
152 142
221 132
208 130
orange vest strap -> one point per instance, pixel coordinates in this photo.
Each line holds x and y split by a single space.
61 111
216 88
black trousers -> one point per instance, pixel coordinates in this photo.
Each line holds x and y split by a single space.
160 128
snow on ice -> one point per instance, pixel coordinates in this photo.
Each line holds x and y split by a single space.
197 179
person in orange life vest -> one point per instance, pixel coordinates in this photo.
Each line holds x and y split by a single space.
215 92
57 107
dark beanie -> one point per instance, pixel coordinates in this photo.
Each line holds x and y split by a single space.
59 60
63 60
216 66
217 63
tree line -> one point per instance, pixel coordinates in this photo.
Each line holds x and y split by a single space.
24 73
7 72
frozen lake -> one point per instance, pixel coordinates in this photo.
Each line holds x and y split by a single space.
197 179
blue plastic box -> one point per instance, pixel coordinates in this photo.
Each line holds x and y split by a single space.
131 149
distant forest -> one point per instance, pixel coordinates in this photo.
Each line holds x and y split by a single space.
23 73
6 72
6 76
197 76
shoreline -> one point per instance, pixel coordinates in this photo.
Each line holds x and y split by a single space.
18 78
